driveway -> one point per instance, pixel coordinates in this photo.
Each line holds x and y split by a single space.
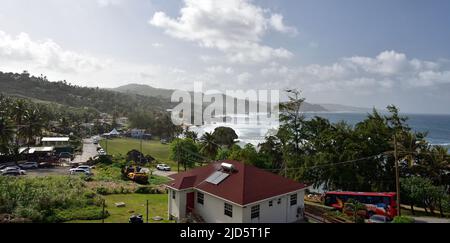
89 151
48 171
432 220
163 173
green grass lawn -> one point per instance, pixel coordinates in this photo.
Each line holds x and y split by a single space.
134 202
121 146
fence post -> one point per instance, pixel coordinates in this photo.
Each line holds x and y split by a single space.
147 211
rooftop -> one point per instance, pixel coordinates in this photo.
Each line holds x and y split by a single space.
244 185
55 139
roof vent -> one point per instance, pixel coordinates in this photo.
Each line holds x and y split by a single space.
227 167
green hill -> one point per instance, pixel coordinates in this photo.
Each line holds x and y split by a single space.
61 92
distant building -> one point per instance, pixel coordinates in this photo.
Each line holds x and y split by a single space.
61 144
233 192
137 133
55 141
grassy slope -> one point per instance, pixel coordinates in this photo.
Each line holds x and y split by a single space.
154 148
136 203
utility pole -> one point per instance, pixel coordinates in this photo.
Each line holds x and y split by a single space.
397 175
106 145
141 150
147 212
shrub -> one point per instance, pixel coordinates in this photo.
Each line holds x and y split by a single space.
157 180
403 220
149 190
86 213
103 191
40 199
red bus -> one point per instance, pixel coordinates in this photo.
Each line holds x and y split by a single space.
380 203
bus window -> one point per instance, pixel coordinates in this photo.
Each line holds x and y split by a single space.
330 199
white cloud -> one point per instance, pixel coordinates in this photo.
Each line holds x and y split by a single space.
220 70
107 3
244 78
365 75
277 22
235 27
45 54
157 45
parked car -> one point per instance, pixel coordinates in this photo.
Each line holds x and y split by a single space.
11 173
85 167
378 219
45 165
163 167
101 152
164 141
29 165
77 171
13 170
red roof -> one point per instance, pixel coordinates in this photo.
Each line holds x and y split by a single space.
247 184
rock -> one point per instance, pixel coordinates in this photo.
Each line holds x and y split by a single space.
157 218
120 204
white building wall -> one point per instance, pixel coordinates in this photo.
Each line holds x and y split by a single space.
177 206
212 210
277 213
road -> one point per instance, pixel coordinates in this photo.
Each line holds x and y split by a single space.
89 151
432 220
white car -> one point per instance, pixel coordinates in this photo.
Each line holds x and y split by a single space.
29 165
77 171
163 167
85 167
13 169
378 219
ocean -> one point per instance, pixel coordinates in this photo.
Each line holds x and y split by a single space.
437 126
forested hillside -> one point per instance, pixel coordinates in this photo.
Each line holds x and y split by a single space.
61 92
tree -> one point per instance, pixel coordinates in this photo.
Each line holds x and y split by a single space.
292 118
34 123
421 191
191 134
272 149
209 147
6 135
184 152
225 136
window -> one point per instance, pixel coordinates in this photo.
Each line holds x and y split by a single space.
228 209
279 201
270 203
255 212
173 194
293 199
200 198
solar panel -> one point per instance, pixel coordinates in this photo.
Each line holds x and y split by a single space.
212 177
217 177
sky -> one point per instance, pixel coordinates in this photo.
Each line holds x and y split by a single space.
351 52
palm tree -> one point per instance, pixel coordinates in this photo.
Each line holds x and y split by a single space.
6 135
19 111
209 147
34 123
436 167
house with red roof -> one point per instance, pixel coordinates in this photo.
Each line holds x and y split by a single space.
234 192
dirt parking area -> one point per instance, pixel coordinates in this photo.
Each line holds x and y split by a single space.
48 171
